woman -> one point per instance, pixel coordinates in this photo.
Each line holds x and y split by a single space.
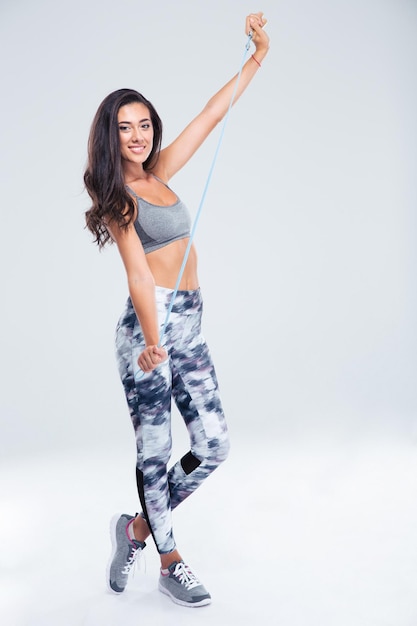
127 179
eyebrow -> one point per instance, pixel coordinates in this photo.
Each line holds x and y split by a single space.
145 119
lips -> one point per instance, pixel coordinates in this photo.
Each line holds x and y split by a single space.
137 149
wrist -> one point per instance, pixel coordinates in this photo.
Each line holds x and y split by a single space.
151 340
256 60
260 53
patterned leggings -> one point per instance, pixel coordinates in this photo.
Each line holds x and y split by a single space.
189 378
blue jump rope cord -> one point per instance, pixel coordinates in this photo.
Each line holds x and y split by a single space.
197 217
203 197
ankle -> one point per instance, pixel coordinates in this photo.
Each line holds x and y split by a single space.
171 557
139 529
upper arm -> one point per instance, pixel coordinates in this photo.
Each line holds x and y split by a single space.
132 253
176 154
140 280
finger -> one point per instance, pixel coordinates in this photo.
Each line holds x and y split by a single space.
145 361
250 21
255 24
262 20
143 365
260 16
256 18
156 355
162 353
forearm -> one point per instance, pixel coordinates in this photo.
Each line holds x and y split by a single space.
142 294
219 103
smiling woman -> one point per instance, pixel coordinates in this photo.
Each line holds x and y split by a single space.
104 177
127 179
136 132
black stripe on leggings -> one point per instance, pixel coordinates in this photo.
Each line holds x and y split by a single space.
189 463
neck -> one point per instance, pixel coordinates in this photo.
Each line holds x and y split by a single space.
133 171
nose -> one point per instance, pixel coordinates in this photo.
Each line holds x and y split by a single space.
137 135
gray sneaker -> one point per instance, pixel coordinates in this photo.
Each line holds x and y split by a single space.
183 586
125 551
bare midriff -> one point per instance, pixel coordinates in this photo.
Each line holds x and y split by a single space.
165 265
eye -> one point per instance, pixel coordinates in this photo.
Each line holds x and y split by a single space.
146 126
123 128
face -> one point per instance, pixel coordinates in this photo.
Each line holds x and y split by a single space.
135 132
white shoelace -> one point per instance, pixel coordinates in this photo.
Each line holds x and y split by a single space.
131 560
185 576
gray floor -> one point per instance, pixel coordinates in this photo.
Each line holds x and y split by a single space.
295 535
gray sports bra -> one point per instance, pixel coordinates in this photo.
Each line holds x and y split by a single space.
158 226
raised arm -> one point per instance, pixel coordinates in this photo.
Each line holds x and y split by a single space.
175 156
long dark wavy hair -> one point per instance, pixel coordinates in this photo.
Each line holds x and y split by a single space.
103 176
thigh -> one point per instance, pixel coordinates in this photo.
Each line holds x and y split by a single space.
153 418
148 396
195 387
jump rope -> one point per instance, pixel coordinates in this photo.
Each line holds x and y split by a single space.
203 197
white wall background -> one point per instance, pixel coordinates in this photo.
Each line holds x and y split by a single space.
308 269
307 242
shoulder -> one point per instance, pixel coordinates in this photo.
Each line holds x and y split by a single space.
127 241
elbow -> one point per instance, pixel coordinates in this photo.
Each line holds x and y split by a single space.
140 281
214 113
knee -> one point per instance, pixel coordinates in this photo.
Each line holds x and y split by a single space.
153 459
207 456
217 450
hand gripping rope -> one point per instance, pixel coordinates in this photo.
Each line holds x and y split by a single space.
203 197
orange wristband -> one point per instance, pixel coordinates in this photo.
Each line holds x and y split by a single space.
256 61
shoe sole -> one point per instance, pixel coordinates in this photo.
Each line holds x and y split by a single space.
113 524
182 602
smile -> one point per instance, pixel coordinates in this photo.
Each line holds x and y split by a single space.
137 149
